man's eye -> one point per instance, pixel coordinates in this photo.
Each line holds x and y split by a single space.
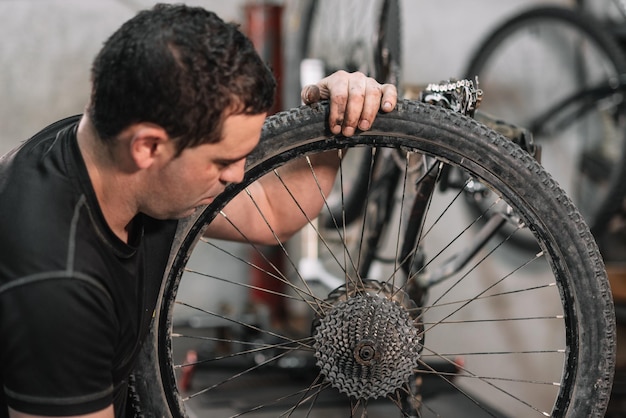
226 163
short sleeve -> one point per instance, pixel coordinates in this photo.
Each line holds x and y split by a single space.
58 345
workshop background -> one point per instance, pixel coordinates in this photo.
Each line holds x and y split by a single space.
47 47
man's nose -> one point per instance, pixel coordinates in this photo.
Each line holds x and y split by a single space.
233 173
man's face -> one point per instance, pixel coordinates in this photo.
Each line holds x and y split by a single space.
199 174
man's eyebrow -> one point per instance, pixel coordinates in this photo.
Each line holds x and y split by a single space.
232 159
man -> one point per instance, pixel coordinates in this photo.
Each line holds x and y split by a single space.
88 206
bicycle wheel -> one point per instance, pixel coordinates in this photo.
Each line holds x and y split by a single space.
543 69
531 337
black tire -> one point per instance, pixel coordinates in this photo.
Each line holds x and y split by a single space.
535 60
554 356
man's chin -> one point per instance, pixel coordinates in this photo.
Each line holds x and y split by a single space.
190 212
180 215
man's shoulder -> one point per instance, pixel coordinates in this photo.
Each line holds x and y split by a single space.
37 201
49 133
25 163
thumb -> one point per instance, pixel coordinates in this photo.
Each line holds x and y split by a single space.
310 94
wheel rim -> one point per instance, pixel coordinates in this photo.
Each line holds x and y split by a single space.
452 310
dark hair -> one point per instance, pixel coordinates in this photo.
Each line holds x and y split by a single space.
179 67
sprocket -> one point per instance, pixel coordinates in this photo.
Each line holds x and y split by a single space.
368 345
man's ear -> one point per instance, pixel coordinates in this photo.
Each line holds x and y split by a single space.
148 142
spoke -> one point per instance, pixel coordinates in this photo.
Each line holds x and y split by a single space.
246 325
288 346
366 212
398 402
300 291
468 301
447 208
314 401
483 297
472 321
319 310
459 366
497 353
261 289
309 394
380 193
316 307
411 255
326 204
234 376
345 252
452 384
301 342
356 404
489 380
316 387
392 279
428 408
422 269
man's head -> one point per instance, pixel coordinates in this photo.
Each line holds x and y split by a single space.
181 68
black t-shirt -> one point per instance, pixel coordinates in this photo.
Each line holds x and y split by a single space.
75 301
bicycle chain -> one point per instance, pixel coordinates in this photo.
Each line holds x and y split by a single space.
367 345
462 96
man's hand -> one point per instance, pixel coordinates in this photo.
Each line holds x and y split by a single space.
355 99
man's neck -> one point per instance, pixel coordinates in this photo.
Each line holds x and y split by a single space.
108 180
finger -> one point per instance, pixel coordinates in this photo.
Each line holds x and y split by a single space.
356 99
371 104
337 86
310 94
390 97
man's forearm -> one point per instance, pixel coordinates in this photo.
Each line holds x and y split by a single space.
279 204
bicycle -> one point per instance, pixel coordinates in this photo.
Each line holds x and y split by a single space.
374 337
560 73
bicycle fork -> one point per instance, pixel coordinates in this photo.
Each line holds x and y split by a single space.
419 279
411 257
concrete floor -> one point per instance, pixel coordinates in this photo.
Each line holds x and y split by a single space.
233 401
271 387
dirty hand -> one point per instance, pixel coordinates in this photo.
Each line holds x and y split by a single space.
355 99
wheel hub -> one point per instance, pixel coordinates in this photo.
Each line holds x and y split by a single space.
367 345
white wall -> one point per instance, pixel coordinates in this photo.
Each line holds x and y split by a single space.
46 49
47 46
438 36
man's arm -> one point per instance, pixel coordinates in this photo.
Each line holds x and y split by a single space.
354 102
53 364
105 413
